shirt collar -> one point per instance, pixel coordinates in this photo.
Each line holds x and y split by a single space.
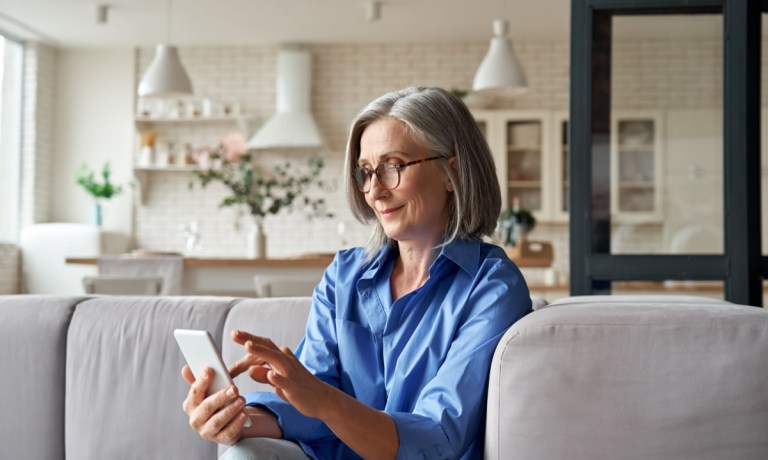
378 260
464 253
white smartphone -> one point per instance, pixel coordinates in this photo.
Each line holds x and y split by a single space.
200 351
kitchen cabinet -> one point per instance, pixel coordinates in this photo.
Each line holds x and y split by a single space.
520 143
531 151
636 166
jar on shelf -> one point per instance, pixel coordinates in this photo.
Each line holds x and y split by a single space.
162 157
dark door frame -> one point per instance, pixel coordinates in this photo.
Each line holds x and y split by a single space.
592 267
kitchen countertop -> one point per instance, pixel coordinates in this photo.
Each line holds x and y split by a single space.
311 260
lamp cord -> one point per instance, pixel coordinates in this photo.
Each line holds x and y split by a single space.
168 28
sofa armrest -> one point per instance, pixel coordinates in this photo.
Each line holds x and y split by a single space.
631 378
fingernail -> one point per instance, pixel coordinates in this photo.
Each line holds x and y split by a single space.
230 392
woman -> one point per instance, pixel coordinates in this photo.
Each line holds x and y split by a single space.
395 360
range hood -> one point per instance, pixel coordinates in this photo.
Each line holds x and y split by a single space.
293 125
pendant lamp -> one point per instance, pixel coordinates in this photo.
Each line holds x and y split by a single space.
165 76
500 72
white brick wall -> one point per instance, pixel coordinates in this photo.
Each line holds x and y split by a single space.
37 144
9 269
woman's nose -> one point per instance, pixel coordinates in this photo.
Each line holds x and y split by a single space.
377 188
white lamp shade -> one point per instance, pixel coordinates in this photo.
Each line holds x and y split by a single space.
165 76
500 71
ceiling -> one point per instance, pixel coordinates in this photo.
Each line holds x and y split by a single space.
73 23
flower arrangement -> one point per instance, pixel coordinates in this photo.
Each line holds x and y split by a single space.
85 177
264 194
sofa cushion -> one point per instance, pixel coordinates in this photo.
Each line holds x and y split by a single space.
33 334
124 388
642 378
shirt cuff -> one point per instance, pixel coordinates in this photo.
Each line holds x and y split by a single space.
420 437
295 425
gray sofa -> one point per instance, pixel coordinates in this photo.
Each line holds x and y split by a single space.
582 378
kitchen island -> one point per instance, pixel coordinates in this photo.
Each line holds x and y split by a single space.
232 276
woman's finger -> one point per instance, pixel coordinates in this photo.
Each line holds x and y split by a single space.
274 357
203 412
241 337
187 374
259 374
243 364
197 390
221 419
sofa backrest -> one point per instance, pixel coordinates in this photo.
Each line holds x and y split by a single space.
124 388
33 334
632 378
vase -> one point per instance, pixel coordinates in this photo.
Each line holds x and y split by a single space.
96 213
256 240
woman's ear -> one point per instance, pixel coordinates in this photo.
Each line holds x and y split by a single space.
453 165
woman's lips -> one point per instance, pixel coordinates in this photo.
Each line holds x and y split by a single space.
389 211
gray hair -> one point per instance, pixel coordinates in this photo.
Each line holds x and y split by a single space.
440 122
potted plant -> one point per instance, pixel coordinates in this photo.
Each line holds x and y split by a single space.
263 192
99 190
514 224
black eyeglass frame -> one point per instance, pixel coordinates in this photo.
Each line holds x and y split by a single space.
366 175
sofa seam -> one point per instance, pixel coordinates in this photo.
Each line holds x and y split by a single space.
497 432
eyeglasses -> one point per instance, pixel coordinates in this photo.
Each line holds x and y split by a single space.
388 174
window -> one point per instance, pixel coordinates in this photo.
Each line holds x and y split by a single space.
11 80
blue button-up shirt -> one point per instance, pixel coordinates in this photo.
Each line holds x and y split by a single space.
423 359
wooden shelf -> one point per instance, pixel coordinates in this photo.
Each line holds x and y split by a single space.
170 168
223 118
524 184
294 262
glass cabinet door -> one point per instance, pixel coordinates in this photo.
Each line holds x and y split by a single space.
524 154
520 143
636 166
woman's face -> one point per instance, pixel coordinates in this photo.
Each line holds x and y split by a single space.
414 210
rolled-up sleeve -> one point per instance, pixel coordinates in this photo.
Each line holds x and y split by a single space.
451 407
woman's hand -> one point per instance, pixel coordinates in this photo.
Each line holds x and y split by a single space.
220 417
279 367
369 432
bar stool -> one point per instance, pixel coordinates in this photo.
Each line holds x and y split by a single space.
123 285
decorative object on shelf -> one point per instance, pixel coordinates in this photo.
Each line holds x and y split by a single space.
515 223
263 193
103 190
165 76
147 153
256 239
191 232
500 71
